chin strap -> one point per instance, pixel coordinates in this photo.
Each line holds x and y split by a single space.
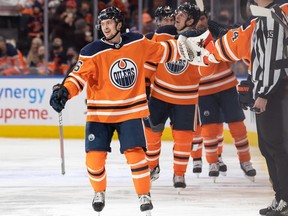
108 39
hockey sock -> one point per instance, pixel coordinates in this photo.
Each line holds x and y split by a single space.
139 168
239 134
197 143
220 137
95 162
210 140
153 147
181 151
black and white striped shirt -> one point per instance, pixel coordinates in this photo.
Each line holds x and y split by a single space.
268 45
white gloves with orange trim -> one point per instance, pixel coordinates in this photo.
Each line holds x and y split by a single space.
195 49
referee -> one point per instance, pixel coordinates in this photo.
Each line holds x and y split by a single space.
269 74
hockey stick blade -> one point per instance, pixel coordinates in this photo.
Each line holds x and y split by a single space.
275 14
200 4
260 11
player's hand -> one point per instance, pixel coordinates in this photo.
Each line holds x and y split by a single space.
59 97
194 47
245 90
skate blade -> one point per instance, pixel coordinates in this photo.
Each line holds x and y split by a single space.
223 173
154 179
148 213
214 178
250 178
179 190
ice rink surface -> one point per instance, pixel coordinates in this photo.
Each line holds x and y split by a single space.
31 184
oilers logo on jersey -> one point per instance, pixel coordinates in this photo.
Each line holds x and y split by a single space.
176 67
123 73
91 137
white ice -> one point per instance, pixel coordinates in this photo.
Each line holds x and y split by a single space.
31 184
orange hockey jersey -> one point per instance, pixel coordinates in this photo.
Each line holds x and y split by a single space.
222 79
175 82
114 76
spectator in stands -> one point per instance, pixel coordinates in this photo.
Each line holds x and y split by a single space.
82 34
11 59
147 21
32 57
225 17
57 58
65 23
72 56
86 13
148 24
39 67
36 22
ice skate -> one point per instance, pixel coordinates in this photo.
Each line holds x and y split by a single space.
197 166
179 183
222 167
269 208
145 204
248 170
154 173
214 171
98 202
281 209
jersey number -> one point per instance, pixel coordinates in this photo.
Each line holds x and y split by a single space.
235 36
78 66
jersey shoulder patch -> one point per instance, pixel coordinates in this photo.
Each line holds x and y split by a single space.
130 37
94 47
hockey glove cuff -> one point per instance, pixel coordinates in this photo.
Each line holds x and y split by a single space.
59 97
245 89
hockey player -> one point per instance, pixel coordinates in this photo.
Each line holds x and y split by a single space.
111 69
265 52
164 15
218 103
174 95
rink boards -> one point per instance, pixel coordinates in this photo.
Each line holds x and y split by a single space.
25 111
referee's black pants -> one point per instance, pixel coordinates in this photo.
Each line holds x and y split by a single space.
272 129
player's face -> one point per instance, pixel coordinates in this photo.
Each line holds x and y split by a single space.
167 21
180 20
108 27
202 23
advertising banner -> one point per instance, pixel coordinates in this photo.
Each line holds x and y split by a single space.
25 101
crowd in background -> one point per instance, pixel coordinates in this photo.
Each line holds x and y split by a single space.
71 27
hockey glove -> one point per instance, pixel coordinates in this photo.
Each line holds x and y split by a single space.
245 89
195 48
59 97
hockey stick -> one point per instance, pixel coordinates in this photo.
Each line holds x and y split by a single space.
61 143
274 13
243 9
200 4
60 120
